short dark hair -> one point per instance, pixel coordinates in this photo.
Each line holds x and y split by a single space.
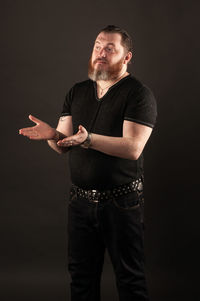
126 38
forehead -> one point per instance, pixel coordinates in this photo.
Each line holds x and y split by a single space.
107 38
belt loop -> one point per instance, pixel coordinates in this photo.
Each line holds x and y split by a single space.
74 190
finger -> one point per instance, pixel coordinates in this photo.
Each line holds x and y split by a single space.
67 143
81 129
36 137
70 138
30 134
26 131
34 119
64 143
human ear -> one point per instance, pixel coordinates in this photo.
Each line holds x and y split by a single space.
128 57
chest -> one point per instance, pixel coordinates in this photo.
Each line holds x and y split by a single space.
103 116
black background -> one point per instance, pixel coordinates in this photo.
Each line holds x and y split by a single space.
45 47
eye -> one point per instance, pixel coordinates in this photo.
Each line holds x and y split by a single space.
110 49
97 47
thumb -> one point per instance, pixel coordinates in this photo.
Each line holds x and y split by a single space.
34 119
82 129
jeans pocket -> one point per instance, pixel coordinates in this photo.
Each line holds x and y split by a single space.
140 194
129 201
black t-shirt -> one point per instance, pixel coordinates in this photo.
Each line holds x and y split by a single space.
129 100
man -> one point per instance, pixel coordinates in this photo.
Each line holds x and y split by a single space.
105 124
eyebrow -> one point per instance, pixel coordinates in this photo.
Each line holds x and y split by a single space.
109 44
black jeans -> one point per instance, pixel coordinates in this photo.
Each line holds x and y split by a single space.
117 225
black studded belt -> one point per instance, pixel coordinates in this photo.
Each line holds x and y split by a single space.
94 195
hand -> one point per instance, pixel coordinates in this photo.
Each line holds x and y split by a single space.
76 139
41 131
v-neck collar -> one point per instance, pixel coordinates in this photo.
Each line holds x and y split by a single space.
113 86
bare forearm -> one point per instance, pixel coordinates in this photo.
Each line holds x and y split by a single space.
123 147
53 143
130 146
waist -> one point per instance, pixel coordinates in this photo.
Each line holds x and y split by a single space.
95 195
95 170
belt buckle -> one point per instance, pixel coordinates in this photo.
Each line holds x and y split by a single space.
92 196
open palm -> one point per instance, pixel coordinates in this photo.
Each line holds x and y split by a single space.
74 140
41 131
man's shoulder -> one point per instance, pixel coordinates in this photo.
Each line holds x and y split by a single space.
80 87
83 84
131 85
134 82
137 86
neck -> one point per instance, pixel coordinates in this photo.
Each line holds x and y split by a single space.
108 83
104 85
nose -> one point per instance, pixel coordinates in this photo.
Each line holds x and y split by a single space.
102 53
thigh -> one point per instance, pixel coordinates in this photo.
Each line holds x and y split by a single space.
85 246
124 239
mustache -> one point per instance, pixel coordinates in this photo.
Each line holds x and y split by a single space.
100 60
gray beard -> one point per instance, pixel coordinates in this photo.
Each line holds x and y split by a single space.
96 75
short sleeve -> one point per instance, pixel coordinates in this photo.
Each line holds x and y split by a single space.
66 111
141 107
